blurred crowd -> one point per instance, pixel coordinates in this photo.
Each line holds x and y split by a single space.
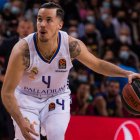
109 28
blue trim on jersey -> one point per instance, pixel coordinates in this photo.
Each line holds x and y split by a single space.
38 52
59 44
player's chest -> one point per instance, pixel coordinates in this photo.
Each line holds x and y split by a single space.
59 65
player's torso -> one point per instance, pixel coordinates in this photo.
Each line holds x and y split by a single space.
45 79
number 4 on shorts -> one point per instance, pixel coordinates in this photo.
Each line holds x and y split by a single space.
60 103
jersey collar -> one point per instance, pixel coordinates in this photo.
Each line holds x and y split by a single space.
38 52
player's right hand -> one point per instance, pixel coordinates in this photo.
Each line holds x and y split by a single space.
27 129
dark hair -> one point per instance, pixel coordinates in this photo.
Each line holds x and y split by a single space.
51 5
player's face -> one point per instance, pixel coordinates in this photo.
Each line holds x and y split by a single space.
48 24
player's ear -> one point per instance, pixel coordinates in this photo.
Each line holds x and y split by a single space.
60 25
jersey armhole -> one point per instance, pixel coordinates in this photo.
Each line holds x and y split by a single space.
68 48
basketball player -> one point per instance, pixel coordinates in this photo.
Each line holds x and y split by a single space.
35 90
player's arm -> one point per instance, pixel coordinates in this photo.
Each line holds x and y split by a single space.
79 51
19 61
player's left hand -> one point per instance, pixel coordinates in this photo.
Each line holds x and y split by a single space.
133 76
28 129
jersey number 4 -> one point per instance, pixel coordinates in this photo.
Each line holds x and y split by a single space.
46 81
60 103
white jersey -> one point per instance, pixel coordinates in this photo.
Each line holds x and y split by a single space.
45 79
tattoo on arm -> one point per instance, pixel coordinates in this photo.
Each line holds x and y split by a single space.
26 58
74 49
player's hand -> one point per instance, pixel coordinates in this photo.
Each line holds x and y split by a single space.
27 129
133 76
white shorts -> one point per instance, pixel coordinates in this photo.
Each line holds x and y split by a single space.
45 113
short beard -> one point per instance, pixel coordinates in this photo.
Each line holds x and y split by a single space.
43 40
46 40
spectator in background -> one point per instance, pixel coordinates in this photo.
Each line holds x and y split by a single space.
123 39
126 55
71 11
73 31
11 28
72 22
86 14
135 31
82 9
120 22
92 38
135 26
25 27
106 27
81 99
109 56
32 13
17 8
6 13
105 7
94 4
109 103
116 6
84 74
124 36
126 62
91 16
107 31
12 12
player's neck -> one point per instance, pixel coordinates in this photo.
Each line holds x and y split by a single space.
48 48
50 43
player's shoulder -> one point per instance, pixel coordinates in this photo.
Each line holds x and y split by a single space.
70 38
64 35
21 54
30 36
20 46
63 32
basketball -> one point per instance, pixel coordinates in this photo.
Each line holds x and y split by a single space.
131 97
